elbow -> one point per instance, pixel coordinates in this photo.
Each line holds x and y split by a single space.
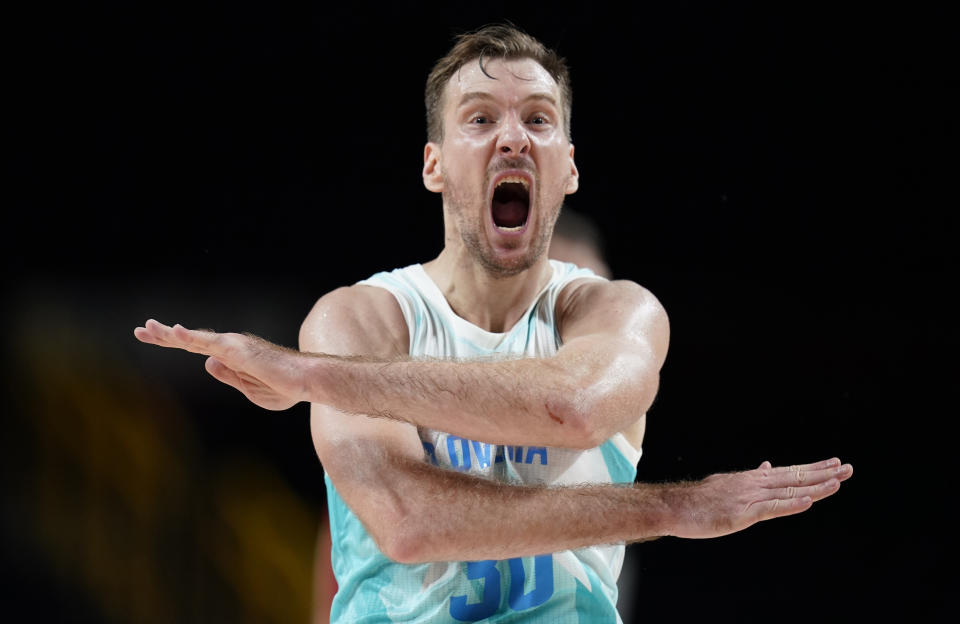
596 412
581 409
391 520
402 540
398 529
404 551
577 415
389 491
590 431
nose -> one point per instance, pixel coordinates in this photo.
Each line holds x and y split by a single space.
513 138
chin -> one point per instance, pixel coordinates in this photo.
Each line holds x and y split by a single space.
499 266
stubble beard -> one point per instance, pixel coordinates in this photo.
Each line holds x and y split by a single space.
481 251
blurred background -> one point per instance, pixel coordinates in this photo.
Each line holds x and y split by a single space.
780 175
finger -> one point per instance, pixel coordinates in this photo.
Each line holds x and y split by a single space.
780 507
195 337
157 328
820 465
143 335
814 492
767 468
249 386
223 373
154 333
208 342
805 468
194 340
800 475
157 332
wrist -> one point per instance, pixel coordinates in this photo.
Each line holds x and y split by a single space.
659 508
317 374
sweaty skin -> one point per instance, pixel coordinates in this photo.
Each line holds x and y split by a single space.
353 362
494 127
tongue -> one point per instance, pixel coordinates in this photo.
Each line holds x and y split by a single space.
510 214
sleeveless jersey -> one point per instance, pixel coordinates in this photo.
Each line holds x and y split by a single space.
575 587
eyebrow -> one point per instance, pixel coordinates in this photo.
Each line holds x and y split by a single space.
482 95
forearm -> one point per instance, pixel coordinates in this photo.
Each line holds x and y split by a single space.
499 521
486 401
446 516
520 401
418 512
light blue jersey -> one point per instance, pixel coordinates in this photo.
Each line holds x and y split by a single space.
576 587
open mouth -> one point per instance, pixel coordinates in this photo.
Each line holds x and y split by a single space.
511 203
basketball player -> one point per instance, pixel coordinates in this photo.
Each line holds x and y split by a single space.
480 416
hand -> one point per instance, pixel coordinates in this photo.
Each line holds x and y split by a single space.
267 374
730 502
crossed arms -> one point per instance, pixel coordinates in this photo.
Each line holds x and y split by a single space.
353 364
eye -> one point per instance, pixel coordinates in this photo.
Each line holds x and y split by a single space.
479 118
538 120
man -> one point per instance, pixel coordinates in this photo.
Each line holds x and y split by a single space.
479 417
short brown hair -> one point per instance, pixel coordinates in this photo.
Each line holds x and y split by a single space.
503 41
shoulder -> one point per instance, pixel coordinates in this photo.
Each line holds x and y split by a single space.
584 295
617 304
356 320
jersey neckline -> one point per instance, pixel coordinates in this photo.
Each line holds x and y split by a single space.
437 298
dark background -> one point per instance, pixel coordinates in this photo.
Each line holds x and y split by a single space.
776 175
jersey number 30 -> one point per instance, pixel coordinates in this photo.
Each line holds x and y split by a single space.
518 600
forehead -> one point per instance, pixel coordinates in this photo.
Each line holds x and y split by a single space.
514 79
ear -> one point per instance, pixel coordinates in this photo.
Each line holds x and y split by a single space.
432 175
574 182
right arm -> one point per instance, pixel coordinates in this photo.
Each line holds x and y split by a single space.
600 380
418 512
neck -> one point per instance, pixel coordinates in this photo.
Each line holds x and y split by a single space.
493 303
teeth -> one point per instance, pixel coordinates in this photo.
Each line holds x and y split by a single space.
515 180
509 229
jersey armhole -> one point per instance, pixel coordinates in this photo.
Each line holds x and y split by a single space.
404 298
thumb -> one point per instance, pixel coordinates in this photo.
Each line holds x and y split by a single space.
222 372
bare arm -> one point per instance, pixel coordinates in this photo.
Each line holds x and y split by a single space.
418 512
601 380
434 519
